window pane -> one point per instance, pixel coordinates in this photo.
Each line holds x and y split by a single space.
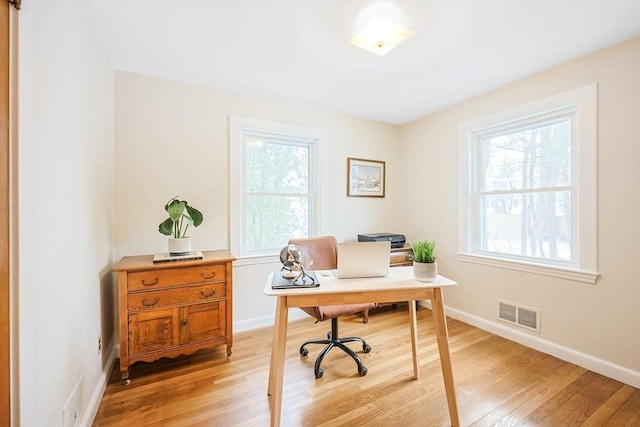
276 167
534 225
272 221
537 156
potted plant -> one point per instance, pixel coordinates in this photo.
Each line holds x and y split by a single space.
425 267
181 216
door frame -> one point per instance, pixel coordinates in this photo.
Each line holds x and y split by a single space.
8 244
5 340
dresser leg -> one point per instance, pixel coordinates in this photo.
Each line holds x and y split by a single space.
228 351
125 376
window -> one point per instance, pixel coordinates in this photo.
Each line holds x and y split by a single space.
524 190
276 188
529 198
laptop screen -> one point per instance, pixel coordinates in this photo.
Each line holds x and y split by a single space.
363 259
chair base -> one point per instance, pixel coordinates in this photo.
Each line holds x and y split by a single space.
334 341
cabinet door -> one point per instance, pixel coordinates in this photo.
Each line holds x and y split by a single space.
153 330
203 322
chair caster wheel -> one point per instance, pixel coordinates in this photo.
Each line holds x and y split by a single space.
319 373
366 348
304 352
362 371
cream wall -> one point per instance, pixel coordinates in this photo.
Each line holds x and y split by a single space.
173 139
65 205
595 325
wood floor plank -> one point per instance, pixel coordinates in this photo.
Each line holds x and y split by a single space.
498 383
601 415
518 391
535 393
582 405
629 412
559 399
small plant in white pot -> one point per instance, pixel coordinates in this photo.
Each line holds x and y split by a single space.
181 216
425 267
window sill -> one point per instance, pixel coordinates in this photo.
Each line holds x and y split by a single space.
256 259
544 270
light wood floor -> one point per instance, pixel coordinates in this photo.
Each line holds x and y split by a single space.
498 383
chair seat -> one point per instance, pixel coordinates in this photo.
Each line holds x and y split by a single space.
327 312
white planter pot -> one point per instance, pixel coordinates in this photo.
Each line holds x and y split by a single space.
179 246
424 272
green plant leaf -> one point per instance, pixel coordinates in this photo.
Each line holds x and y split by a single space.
195 215
166 227
424 251
176 208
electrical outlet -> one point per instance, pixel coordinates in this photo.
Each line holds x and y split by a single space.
71 410
99 343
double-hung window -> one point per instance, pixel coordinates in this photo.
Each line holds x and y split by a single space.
276 185
528 194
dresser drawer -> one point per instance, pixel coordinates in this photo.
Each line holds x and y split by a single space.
166 278
174 297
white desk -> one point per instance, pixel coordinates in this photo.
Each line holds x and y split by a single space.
399 286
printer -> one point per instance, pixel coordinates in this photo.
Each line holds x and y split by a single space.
397 240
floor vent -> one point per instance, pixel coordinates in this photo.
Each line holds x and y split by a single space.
519 315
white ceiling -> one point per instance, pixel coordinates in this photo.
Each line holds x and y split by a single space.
299 51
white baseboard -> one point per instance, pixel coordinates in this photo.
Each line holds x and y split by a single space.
592 363
89 414
261 322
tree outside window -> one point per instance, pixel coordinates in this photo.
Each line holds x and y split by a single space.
278 185
525 191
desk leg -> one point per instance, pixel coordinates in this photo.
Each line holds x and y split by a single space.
440 323
413 321
276 368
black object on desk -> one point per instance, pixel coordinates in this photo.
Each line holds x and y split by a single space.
397 240
280 282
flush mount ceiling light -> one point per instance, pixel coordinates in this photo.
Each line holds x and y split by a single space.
380 36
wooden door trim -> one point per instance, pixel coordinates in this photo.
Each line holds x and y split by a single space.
5 368
8 70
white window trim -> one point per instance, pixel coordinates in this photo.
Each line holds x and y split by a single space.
585 100
238 126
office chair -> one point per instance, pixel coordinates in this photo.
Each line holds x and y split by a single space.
321 253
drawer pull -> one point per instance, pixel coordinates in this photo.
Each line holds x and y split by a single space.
205 277
151 303
155 281
208 294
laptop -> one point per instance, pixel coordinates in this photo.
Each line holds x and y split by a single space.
363 259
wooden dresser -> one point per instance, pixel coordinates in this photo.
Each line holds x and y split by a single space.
172 308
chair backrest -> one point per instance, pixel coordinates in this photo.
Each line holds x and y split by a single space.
321 253
318 253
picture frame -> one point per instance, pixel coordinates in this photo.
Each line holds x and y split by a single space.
365 178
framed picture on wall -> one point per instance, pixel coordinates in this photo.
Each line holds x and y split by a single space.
365 178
